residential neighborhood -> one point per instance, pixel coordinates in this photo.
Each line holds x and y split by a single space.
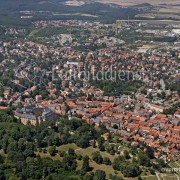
121 80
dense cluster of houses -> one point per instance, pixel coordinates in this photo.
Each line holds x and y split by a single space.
136 118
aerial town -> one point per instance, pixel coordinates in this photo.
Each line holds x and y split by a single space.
121 79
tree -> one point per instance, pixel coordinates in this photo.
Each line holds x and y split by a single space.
126 154
149 152
71 152
133 150
110 148
115 126
89 176
29 150
101 141
2 175
131 170
107 161
49 177
1 159
99 175
83 142
143 159
69 163
52 150
39 160
61 153
96 156
94 143
161 162
119 163
85 165
152 171
75 124
79 157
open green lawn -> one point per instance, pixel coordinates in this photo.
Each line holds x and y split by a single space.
170 178
34 31
106 168
177 163
174 165
47 155
159 176
171 164
150 178
88 151
67 146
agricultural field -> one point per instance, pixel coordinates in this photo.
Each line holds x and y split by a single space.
170 9
135 2
160 16
162 12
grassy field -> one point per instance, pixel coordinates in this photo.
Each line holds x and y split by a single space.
83 152
135 2
150 178
178 162
170 178
88 151
47 155
67 146
33 32
108 169
159 15
175 165
170 10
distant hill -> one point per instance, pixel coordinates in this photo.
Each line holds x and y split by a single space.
58 9
143 5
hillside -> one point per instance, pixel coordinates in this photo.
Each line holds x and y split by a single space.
61 9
